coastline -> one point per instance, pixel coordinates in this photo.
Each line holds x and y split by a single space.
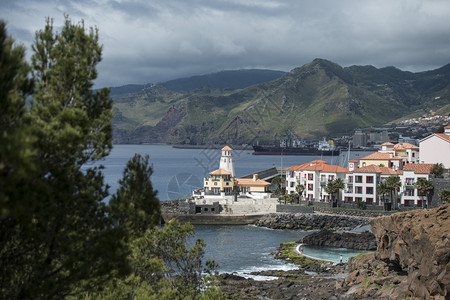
199 219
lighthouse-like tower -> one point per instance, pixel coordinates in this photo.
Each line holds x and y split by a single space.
226 160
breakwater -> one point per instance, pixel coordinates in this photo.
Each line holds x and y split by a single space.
311 221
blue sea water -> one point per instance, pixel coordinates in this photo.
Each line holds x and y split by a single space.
177 172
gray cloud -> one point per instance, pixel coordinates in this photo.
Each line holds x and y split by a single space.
151 41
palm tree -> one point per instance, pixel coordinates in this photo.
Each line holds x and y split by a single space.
278 181
382 190
333 188
445 196
424 188
393 184
300 188
437 169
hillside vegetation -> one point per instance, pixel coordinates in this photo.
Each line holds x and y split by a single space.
318 99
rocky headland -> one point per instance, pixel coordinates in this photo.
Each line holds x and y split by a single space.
412 258
312 221
359 241
412 261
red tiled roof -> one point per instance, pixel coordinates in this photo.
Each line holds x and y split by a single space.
444 136
377 169
318 161
220 172
249 181
298 167
418 168
405 146
380 155
387 144
326 168
353 160
226 148
447 127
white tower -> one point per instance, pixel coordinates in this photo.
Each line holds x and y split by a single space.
226 160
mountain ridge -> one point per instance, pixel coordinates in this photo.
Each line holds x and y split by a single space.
320 98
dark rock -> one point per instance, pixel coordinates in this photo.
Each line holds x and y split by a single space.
360 241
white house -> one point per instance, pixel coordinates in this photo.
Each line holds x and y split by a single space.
362 183
409 195
314 176
435 148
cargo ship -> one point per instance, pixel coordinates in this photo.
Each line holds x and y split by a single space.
324 148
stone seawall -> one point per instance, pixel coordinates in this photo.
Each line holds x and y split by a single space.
200 219
294 209
311 221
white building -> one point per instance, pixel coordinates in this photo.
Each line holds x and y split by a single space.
409 195
226 160
435 148
314 176
362 183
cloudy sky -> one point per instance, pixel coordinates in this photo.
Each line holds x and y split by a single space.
156 40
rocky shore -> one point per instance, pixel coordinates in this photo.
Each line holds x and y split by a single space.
412 261
359 241
312 221
312 280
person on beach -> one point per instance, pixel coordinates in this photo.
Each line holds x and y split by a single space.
340 259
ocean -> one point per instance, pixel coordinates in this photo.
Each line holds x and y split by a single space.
241 249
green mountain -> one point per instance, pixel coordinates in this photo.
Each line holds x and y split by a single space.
237 79
318 99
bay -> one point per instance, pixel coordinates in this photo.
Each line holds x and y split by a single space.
240 249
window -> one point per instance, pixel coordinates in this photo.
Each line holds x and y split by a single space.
349 190
358 199
292 184
369 200
224 160
323 178
409 192
369 179
330 177
409 181
348 199
310 176
413 154
369 190
350 179
310 187
358 179
364 164
358 190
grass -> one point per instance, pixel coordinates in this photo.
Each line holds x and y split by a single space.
287 251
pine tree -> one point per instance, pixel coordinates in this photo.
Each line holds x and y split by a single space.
56 236
135 205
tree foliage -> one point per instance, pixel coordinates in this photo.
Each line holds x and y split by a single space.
382 190
437 169
333 188
444 196
135 205
58 238
300 188
424 187
393 184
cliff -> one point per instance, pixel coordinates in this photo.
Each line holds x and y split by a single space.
412 258
418 243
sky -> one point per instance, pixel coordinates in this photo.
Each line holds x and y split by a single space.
151 41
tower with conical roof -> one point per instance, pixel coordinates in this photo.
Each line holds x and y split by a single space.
226 160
